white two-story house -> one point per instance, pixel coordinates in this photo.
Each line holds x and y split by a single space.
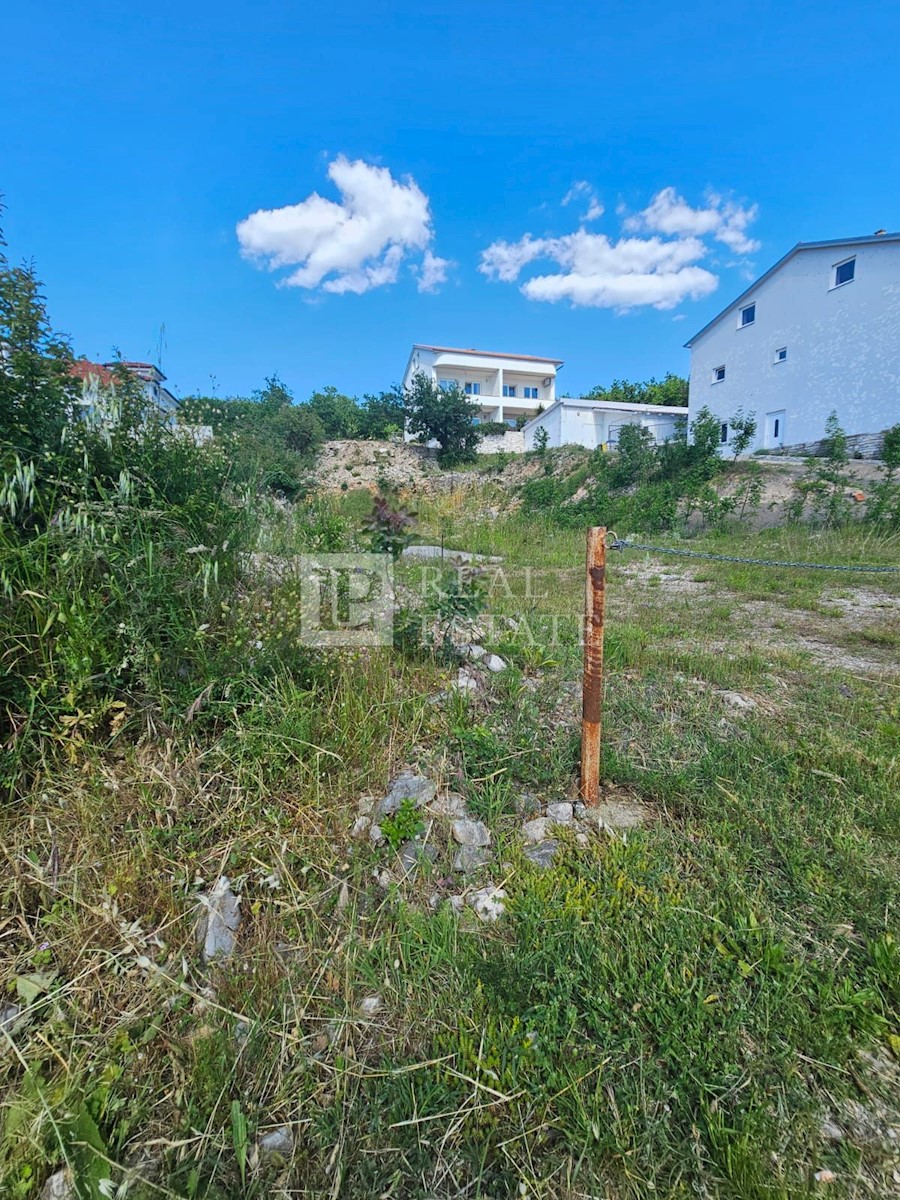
819 332
507 387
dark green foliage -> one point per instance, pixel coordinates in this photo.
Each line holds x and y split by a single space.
338 414
541 438
671 390
487 428
382 416
447 417
641 487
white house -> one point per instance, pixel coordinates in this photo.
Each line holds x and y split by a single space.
95 376
506 386
819 332
596 423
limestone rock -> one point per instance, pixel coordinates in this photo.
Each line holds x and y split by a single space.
407 786
560 813
537 830
277 1143
219 921
542 854
495 663
471 858
59 1186
452 805
466 681
376 835
412 854
471 833
370 1005
360 827
488 903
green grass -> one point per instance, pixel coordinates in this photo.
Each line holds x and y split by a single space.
671 1013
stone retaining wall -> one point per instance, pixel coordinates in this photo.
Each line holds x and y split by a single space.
859 445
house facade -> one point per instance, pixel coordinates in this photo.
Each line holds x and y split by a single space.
507 387
95 376
597 423
818 333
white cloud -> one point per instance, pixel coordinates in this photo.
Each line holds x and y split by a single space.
722 219
598 273
433 272
351 246
581 189
633 271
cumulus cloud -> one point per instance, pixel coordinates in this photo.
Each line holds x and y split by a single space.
582 190
433 272
632 271
353 245
722 219
599 273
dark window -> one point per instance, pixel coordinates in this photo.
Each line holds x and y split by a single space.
723 432
473 389
718 374
509 390
777 424
748 314
447 385
844 272
781 355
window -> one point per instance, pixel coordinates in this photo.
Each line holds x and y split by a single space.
530 393
718 375
473 389
509 390
447 385
748 315
844 272
777 426
723 432
781 355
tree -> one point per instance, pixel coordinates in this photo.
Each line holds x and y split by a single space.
382 415
447 417
671 391
37 389
339 414
743 431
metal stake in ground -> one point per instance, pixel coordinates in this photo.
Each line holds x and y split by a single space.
592 687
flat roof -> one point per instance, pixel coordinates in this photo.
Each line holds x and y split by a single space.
834 243
557 362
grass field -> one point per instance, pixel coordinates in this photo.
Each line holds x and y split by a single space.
707 1006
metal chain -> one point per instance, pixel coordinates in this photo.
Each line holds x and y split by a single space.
622 544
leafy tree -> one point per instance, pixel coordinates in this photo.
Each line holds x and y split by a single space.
743 431
37 389
671 391
339 414
541 438
447 417
636 459
382 415
274 396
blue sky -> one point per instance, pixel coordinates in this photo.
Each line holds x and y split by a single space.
143 135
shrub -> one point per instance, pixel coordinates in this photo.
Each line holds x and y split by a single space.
447 417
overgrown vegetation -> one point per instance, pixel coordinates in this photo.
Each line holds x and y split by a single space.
689 1008
671 390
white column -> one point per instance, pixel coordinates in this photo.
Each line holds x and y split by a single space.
499 416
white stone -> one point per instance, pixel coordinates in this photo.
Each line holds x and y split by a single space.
488 903
465 681
407 786
471 858
376 835
370 1005
360 827
59 1186
276 1143
495 663
560 813
537 830
218 924
451 805
471 833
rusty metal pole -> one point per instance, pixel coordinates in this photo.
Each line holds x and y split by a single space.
592 686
